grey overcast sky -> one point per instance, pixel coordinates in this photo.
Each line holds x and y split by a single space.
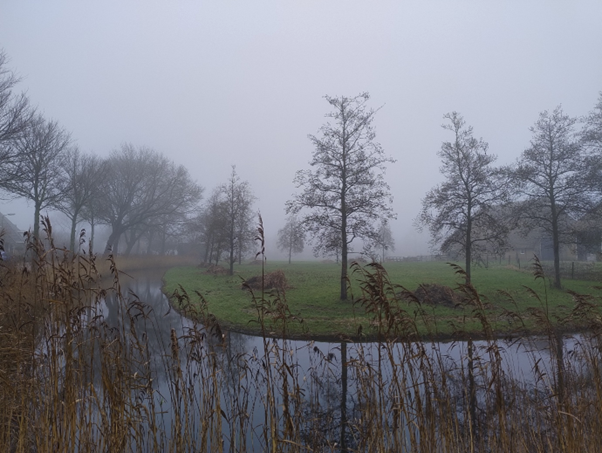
216 83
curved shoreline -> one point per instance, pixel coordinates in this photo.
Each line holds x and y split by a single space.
251 328
373 338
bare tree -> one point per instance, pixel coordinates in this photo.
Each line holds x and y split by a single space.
15 116
83 175
376 249
38 172
168 233
551 176
238 201
140 187
461 212
591 139
345 192
210 228
592 128
328 244
89 212
291 238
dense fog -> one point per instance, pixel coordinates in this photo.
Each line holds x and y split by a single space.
222 91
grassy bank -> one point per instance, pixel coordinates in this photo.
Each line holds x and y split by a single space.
312 293
82 370
142 263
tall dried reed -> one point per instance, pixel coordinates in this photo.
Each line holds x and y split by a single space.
86 367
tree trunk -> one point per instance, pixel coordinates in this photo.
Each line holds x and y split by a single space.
344 256
36 223
163 235
559 353
468 248
130 241
134 239
231 238
231 257
472 398
217 254
343 395
73 227
556 247
208 251
113 242
91 246
151 235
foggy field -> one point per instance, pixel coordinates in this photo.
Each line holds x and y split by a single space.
312 293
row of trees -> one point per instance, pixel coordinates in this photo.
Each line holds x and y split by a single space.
143 197
136 191
140 194
554 187
343 197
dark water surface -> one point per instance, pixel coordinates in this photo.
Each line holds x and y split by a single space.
330 389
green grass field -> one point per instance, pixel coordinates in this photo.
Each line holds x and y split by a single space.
313 294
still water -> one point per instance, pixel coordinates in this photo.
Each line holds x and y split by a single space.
251 369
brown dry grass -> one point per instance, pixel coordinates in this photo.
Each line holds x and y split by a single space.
70 380
272 280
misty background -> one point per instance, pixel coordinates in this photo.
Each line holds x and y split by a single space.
216 84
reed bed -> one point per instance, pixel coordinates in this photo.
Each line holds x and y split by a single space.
86 366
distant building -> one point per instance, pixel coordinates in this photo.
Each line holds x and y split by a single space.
521 247
11 236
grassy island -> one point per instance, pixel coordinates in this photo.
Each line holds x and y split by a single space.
311 292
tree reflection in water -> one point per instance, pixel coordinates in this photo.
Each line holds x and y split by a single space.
163 382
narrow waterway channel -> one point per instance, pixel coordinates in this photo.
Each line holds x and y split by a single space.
257 386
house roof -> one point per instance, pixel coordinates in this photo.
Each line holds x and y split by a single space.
12 234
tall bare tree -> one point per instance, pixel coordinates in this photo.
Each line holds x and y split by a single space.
15 116
210 228
140 187
291 238
38 173
591 139
345 191
89 212
327 244
462 211
551 176
238 202
83 175
165 232
592 128
376 249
